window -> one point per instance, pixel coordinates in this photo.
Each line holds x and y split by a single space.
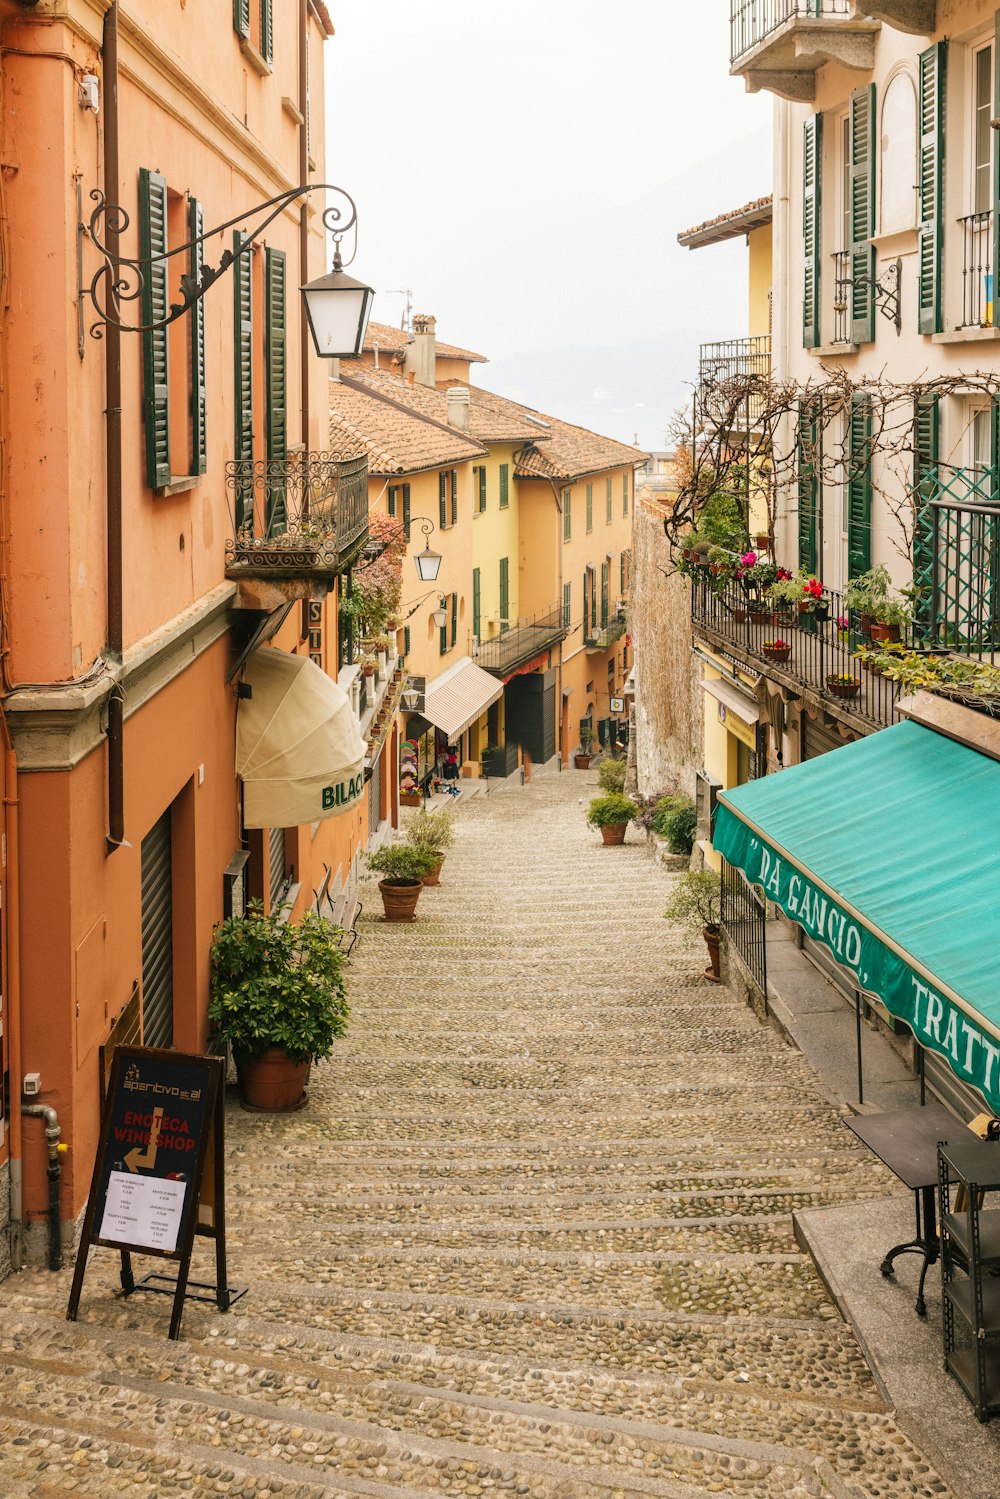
978 226
173 358
608 501
982 135
590 507
406 511
605 580
567 604
567 496
980 455
480 472
253 21
625 494
504 594
476 603
449 635
276 426
442 499
898 169
504 486
393 492
454 496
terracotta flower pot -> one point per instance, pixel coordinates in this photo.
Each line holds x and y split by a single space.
762 541
883 632
713 939
273 1082
739 616
842 689
614 832
433 877
760 616
582 762
400 901
774 654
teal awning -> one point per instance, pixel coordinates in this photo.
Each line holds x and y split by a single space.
888 852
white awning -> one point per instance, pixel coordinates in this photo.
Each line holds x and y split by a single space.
459 696
299 749
742 704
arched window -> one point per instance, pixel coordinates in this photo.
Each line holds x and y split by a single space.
898 175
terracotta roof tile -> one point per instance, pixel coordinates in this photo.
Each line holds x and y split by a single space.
485 424
382 336
558 449
397 441
729 225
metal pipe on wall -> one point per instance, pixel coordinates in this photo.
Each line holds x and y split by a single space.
113 444
304 338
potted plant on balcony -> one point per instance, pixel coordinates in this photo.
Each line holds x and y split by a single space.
582 757
783 596
863 593
402 867
814 601
434 833
889 617
612 814
697 902
368 663
277 999
842 684
776 650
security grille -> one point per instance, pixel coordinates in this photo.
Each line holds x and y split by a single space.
276 850
375 796
157 937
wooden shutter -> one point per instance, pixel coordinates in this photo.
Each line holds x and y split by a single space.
155 344
590 507
454 496
241 16
442 499
859 488
808 439
861 170
267 30
812 146
504 594
454 618
567 604
604 595
932 69
586 603
476 602
277 396
406 640
391 503
482 487
406 510
926 429
504 486
567 514
625 494
199 392
608 500
243 377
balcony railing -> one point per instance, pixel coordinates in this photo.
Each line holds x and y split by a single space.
600 634
780 44
528 638
843 293
956 566
735 371
753 21
304 515
814 650
977 270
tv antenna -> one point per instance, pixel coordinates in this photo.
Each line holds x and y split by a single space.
406 322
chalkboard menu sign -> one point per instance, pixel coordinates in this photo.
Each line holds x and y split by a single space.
161 1146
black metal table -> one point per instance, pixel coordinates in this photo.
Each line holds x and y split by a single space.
906 1141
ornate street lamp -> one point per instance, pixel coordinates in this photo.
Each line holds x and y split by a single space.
337 306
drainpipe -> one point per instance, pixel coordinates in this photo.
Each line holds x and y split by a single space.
43 1111
113 449
304 335
13 997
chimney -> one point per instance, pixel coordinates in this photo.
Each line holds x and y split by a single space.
458 408
421 354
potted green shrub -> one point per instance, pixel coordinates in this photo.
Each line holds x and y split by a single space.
697 902
402 867
889 617
611 775
676 820
863 593
277 999
582 757
612 813
434 832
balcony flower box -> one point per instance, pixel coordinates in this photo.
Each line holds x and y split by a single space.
776 650
843 686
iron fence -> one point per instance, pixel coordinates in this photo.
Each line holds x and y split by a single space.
751 21
843 297
744 921
307 510
809 649
527 638
743 360
956 555
977 270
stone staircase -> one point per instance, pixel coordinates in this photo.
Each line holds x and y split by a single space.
532 1235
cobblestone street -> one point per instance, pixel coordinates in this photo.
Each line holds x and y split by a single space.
531 1236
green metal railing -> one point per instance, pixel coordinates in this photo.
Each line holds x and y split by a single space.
956 565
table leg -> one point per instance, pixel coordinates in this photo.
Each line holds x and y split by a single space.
926 1242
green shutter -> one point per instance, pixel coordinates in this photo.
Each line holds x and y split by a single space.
476 602
590 507
504 594
199 392
862 214
932 70
504 486
859 488
808 488
392 502
926 428
454 618
567 604
567 514
604 595
241 16
277 395
625 494
624 585
406 511
406 640
243 378
608 500
155 344
267 30
442 499
454 496
586 604
812 146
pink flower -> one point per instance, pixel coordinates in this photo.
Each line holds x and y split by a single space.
783 574
748 559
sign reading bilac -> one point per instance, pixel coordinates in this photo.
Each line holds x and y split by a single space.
938 1023
161 1150
344 792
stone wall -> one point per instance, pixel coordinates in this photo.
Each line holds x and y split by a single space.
669 718
4 1220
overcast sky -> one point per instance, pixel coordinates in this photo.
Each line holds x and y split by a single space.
526 166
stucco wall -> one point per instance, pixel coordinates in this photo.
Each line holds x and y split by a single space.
668 717
4 1220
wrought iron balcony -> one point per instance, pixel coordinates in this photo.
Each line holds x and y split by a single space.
602 636
977 270
526 639
304 516
801 649
733 376
780 44
956 566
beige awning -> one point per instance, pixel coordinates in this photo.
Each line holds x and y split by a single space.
741 703
298 746
459 697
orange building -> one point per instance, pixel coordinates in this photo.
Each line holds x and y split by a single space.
131 587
